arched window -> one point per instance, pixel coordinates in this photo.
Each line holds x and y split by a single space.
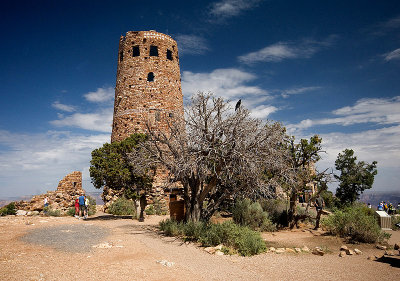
121 56
150 77
154 51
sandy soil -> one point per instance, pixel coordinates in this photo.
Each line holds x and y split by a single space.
137 250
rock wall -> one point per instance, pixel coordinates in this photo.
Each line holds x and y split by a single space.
147 93
60 199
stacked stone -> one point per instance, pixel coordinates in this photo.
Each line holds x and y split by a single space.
62 199
147 93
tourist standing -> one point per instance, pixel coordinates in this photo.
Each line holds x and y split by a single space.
77 206
87 202
46 202
319 204
81 205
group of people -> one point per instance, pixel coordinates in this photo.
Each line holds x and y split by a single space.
387 207
81 207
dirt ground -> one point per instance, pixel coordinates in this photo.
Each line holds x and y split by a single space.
51 248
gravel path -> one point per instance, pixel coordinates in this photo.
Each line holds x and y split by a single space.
76 238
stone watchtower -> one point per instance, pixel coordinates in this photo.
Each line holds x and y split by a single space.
148 91
148 88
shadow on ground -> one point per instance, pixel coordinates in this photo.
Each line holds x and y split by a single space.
393 261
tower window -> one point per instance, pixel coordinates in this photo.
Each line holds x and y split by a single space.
135 51
154 51
121 56
169 54
150 77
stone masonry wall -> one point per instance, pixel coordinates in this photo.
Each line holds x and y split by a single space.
61 199
148 92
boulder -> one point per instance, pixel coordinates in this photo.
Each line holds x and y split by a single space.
219 253
343 248
396 246
389 253
318 251
272 249
21 213
357 251
342 254
290 250
298 250
380 247
349 252
305 249
210 250
280 250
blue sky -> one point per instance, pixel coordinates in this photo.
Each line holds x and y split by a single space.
319 67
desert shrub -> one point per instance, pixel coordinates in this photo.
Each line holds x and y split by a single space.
238 238
250 214
150 210
71 212
171 227
395 220
48 211
92 206
122 207
8 210
356 223
277 210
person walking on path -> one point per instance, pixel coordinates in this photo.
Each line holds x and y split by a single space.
81 205
87 202
319 204
77 207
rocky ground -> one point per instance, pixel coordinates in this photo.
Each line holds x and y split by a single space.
106 248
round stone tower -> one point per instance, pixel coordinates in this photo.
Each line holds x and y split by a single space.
148 88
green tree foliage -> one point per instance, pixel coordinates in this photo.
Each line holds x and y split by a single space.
300 163
354 178
8 210
110 166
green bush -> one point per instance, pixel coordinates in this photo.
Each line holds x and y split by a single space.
242 239
395 220
356 223
71 212
277 210
122 207
150 210
8 210
250 214
48 211
330 200
92 206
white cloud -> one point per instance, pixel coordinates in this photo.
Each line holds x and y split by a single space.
98 121
380 111
287 50
393 55
231 84
63 107
230 8
191 44
102 95
299 90
33 163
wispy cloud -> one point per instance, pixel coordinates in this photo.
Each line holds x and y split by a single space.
229 8
191 44
63 107
101 95
287 50
299 90
382 111
33 163
98 121
393 55
384 27
231 84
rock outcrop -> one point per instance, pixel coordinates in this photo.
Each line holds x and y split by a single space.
61 199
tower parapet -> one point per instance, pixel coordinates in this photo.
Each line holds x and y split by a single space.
148 88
